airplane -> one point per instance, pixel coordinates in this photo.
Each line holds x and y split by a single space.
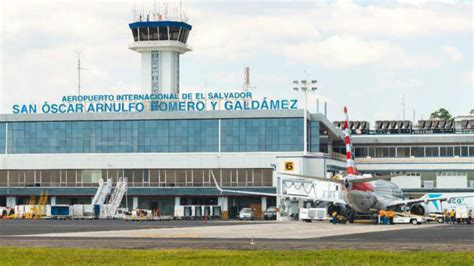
361 193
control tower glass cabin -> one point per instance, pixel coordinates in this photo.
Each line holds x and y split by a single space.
160 44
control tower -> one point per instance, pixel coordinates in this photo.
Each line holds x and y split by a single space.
160 40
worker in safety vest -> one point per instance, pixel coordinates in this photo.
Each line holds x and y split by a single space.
452 215
334 217
382 216
390 215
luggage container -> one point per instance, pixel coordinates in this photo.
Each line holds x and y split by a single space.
310 214
89 210
59 211
77 211
19 211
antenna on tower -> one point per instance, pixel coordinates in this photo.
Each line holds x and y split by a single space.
185 15
134 13
79 68
246 85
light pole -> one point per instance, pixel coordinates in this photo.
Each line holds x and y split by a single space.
305 86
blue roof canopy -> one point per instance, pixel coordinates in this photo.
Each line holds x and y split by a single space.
141 24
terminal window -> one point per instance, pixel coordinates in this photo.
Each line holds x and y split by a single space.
248 135
113 136
2 137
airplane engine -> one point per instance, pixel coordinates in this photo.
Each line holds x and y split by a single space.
418 209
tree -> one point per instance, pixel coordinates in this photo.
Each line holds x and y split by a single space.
471 112
441 114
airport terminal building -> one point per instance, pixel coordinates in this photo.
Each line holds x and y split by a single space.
168 157
165 156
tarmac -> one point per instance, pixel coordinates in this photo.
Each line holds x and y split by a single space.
234 235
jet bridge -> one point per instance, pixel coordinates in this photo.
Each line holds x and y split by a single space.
297 187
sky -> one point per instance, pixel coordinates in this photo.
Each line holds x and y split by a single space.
366 55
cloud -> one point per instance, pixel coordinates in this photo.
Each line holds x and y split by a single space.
283 38
337 51
453 53
374 31
397 20
235 35
346 51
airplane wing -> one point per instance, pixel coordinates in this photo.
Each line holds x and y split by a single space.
274 194
338 181
426 200
368 179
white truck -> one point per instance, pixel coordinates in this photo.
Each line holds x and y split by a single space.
462 214
451 204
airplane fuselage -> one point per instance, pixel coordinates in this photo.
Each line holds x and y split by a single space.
366 196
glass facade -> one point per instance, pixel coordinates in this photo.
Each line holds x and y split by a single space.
410 151
253 135
128 136
313 136
2 137
160 34
113 136
237 177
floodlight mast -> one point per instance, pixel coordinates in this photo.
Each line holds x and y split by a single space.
305 86
79 68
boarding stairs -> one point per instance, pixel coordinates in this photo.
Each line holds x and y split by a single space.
109 210
102 192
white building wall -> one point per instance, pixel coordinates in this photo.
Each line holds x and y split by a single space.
407 181
146 73
169 72
138 161
451 181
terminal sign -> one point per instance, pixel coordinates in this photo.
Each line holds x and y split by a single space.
161 102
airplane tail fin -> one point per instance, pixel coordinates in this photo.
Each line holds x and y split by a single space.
351 168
